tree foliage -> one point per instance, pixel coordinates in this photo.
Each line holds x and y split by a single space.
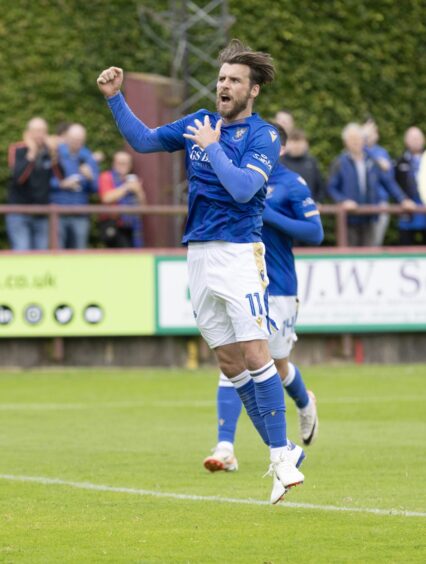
337 61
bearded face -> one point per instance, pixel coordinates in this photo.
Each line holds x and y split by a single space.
234 91
230 106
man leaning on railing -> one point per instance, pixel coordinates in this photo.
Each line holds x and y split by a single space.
356 180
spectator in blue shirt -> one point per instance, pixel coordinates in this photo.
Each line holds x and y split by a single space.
355 180
80 180
412 227
384 161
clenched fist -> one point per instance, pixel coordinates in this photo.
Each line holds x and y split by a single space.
110 81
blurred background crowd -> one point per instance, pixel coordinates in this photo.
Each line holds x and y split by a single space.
63 169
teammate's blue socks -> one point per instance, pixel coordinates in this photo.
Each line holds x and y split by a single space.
245 388
270 402
295 387
228 410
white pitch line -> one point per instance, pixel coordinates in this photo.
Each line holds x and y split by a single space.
102 405
175 404
216 499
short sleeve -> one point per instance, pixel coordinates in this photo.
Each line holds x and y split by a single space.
262 152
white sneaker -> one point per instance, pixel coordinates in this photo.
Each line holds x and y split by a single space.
285 473
308 420
221 459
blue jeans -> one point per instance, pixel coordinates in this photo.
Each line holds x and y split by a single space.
73 231
27 232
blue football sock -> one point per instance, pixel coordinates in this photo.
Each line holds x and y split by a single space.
228 410
244 386
295 386
270 401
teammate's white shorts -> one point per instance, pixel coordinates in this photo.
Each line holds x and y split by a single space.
227 283
283 310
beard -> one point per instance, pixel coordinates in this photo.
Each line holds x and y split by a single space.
234 107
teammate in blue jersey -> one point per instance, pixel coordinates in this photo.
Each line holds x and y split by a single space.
290 213
229 157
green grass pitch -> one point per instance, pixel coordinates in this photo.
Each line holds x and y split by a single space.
150 430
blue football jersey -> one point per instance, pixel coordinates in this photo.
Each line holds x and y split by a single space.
212 212
288 194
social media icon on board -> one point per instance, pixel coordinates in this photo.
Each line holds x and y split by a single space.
6 315
33 314
63 314
93 314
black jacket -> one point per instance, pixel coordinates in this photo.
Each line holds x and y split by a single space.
307 166
405 177
30 181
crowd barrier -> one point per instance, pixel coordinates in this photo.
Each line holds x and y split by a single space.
54 211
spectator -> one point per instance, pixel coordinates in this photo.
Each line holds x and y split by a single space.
384 161
33 163
61 130
285 120
422 179
355 180
298 159
412 227
119 186
80 180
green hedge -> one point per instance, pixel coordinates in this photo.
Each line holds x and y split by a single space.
337 61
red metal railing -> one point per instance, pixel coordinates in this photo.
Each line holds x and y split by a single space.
54 211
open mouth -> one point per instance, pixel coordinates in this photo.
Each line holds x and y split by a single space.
224 98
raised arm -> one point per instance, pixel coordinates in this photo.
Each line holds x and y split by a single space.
137 134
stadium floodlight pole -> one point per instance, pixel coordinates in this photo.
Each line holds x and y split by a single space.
193 34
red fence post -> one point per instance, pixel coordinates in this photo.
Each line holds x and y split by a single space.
53 229
341 227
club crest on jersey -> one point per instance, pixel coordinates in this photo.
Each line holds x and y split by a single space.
239 134
198 154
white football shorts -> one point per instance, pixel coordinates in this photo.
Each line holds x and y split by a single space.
227 284
283 310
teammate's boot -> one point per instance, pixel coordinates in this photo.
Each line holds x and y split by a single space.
308 420
285 472
222 458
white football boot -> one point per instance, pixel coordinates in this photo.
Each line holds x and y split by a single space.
223 458
285 472
308 420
